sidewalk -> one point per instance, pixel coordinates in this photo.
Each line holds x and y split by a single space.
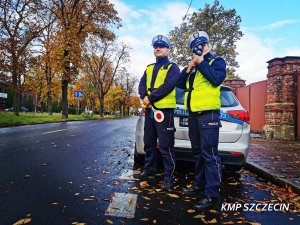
278 161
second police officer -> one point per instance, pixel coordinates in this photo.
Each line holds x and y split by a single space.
202 80
157 89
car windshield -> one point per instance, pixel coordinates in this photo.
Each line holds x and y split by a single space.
227 97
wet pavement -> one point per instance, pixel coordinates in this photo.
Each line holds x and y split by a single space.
278 161
82 173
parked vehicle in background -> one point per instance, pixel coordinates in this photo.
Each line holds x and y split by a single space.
22 109
234 138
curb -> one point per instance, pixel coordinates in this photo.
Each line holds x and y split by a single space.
263 172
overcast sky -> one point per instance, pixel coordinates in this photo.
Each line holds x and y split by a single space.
271 29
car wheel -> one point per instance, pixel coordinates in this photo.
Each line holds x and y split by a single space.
138 158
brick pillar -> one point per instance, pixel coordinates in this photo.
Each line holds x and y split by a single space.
234 84
281 97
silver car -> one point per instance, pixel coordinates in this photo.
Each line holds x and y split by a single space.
234 137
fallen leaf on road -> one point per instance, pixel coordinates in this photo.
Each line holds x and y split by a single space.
154 221
144 184
173 195
199 216
109 221
214 220
146 198
145 219
213 211
191 211
130 201
255 223
117 183
23 221
233 184
203 220
224 215
110 211
290 190
161 202
133 188
229 222
164 210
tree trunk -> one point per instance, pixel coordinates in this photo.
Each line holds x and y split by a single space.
128 111
49 103
124 110
16 92
16 102
48 75
101 106
64 89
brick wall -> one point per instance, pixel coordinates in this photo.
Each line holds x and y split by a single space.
280 110
234 84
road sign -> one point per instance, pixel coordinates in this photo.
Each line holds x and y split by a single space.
3 95
78 94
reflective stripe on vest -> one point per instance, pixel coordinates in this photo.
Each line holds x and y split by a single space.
204 95
169 101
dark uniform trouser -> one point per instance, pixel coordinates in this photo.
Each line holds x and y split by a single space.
164 131
204 136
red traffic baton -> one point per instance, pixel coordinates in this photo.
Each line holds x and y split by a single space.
158 115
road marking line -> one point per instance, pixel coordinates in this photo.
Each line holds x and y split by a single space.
54 131
129 174
130 160
122 205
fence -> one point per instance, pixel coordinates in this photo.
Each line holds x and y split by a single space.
253 98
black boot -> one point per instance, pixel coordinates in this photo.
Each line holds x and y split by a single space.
166 185
206 203
145 176
192 190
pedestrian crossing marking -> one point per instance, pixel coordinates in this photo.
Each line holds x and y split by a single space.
129 174
122 205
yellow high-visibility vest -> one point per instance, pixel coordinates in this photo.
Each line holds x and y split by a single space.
204 95
169 101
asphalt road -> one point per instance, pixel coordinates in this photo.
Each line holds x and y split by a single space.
81 172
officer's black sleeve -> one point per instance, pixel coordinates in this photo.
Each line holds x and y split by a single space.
182 79
143 87
214 73
168 85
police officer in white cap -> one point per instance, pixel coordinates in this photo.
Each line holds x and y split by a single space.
202 80
157 90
